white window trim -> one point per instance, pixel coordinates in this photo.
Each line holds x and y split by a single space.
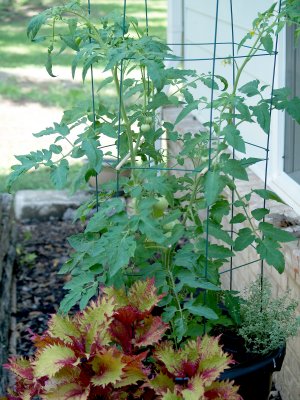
278 180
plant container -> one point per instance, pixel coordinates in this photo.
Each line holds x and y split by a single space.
254 375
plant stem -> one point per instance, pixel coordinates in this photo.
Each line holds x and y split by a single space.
193 198
124 116
252 51
247 214
167 254
89 25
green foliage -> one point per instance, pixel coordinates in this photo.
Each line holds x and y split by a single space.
267 322
165 234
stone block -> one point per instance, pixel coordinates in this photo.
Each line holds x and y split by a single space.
7 256
42 204
6 226
287 383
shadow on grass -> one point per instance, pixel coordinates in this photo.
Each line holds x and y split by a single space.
17 51
63 94
35 180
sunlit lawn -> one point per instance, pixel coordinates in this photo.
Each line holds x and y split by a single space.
17 51
39 179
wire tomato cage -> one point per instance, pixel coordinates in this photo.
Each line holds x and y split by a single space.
239 52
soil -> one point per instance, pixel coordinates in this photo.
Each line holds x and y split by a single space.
42 250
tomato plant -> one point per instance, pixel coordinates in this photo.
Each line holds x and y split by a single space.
183 248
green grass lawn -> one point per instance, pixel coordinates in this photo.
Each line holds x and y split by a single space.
18 53
39 179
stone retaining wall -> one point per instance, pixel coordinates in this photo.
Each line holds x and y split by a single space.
7 255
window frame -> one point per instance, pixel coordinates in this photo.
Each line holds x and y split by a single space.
279 180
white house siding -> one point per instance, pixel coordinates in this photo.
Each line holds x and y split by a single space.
199 22
196 25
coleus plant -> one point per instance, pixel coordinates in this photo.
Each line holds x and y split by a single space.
164 234
111 350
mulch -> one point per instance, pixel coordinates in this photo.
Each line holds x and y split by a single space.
42 250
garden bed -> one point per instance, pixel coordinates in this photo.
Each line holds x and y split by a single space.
43 248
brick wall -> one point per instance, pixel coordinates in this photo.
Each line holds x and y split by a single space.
7 254
287 380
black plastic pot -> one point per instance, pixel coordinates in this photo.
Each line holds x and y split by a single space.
255 376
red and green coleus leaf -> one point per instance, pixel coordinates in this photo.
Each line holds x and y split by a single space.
122 328
94 321
25 389
150 332
213 359
67 391
26 395
108 367
131 328
21 367
195 389
128 315
44 340
63 327
188 368
52 359
170 396
119 295
143 295
134 370
161 383
202 357
222 390
168 356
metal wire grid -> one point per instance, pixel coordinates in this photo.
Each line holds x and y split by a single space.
216 44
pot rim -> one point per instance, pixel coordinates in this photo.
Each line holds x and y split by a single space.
272 362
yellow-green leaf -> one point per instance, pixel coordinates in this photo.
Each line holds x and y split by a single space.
108 368
162 382
195 390
68 391
62 327
171 396
52 359
143 296
95 321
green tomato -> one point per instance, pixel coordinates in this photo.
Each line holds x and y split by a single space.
78 40
148 120
159 207
145 127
